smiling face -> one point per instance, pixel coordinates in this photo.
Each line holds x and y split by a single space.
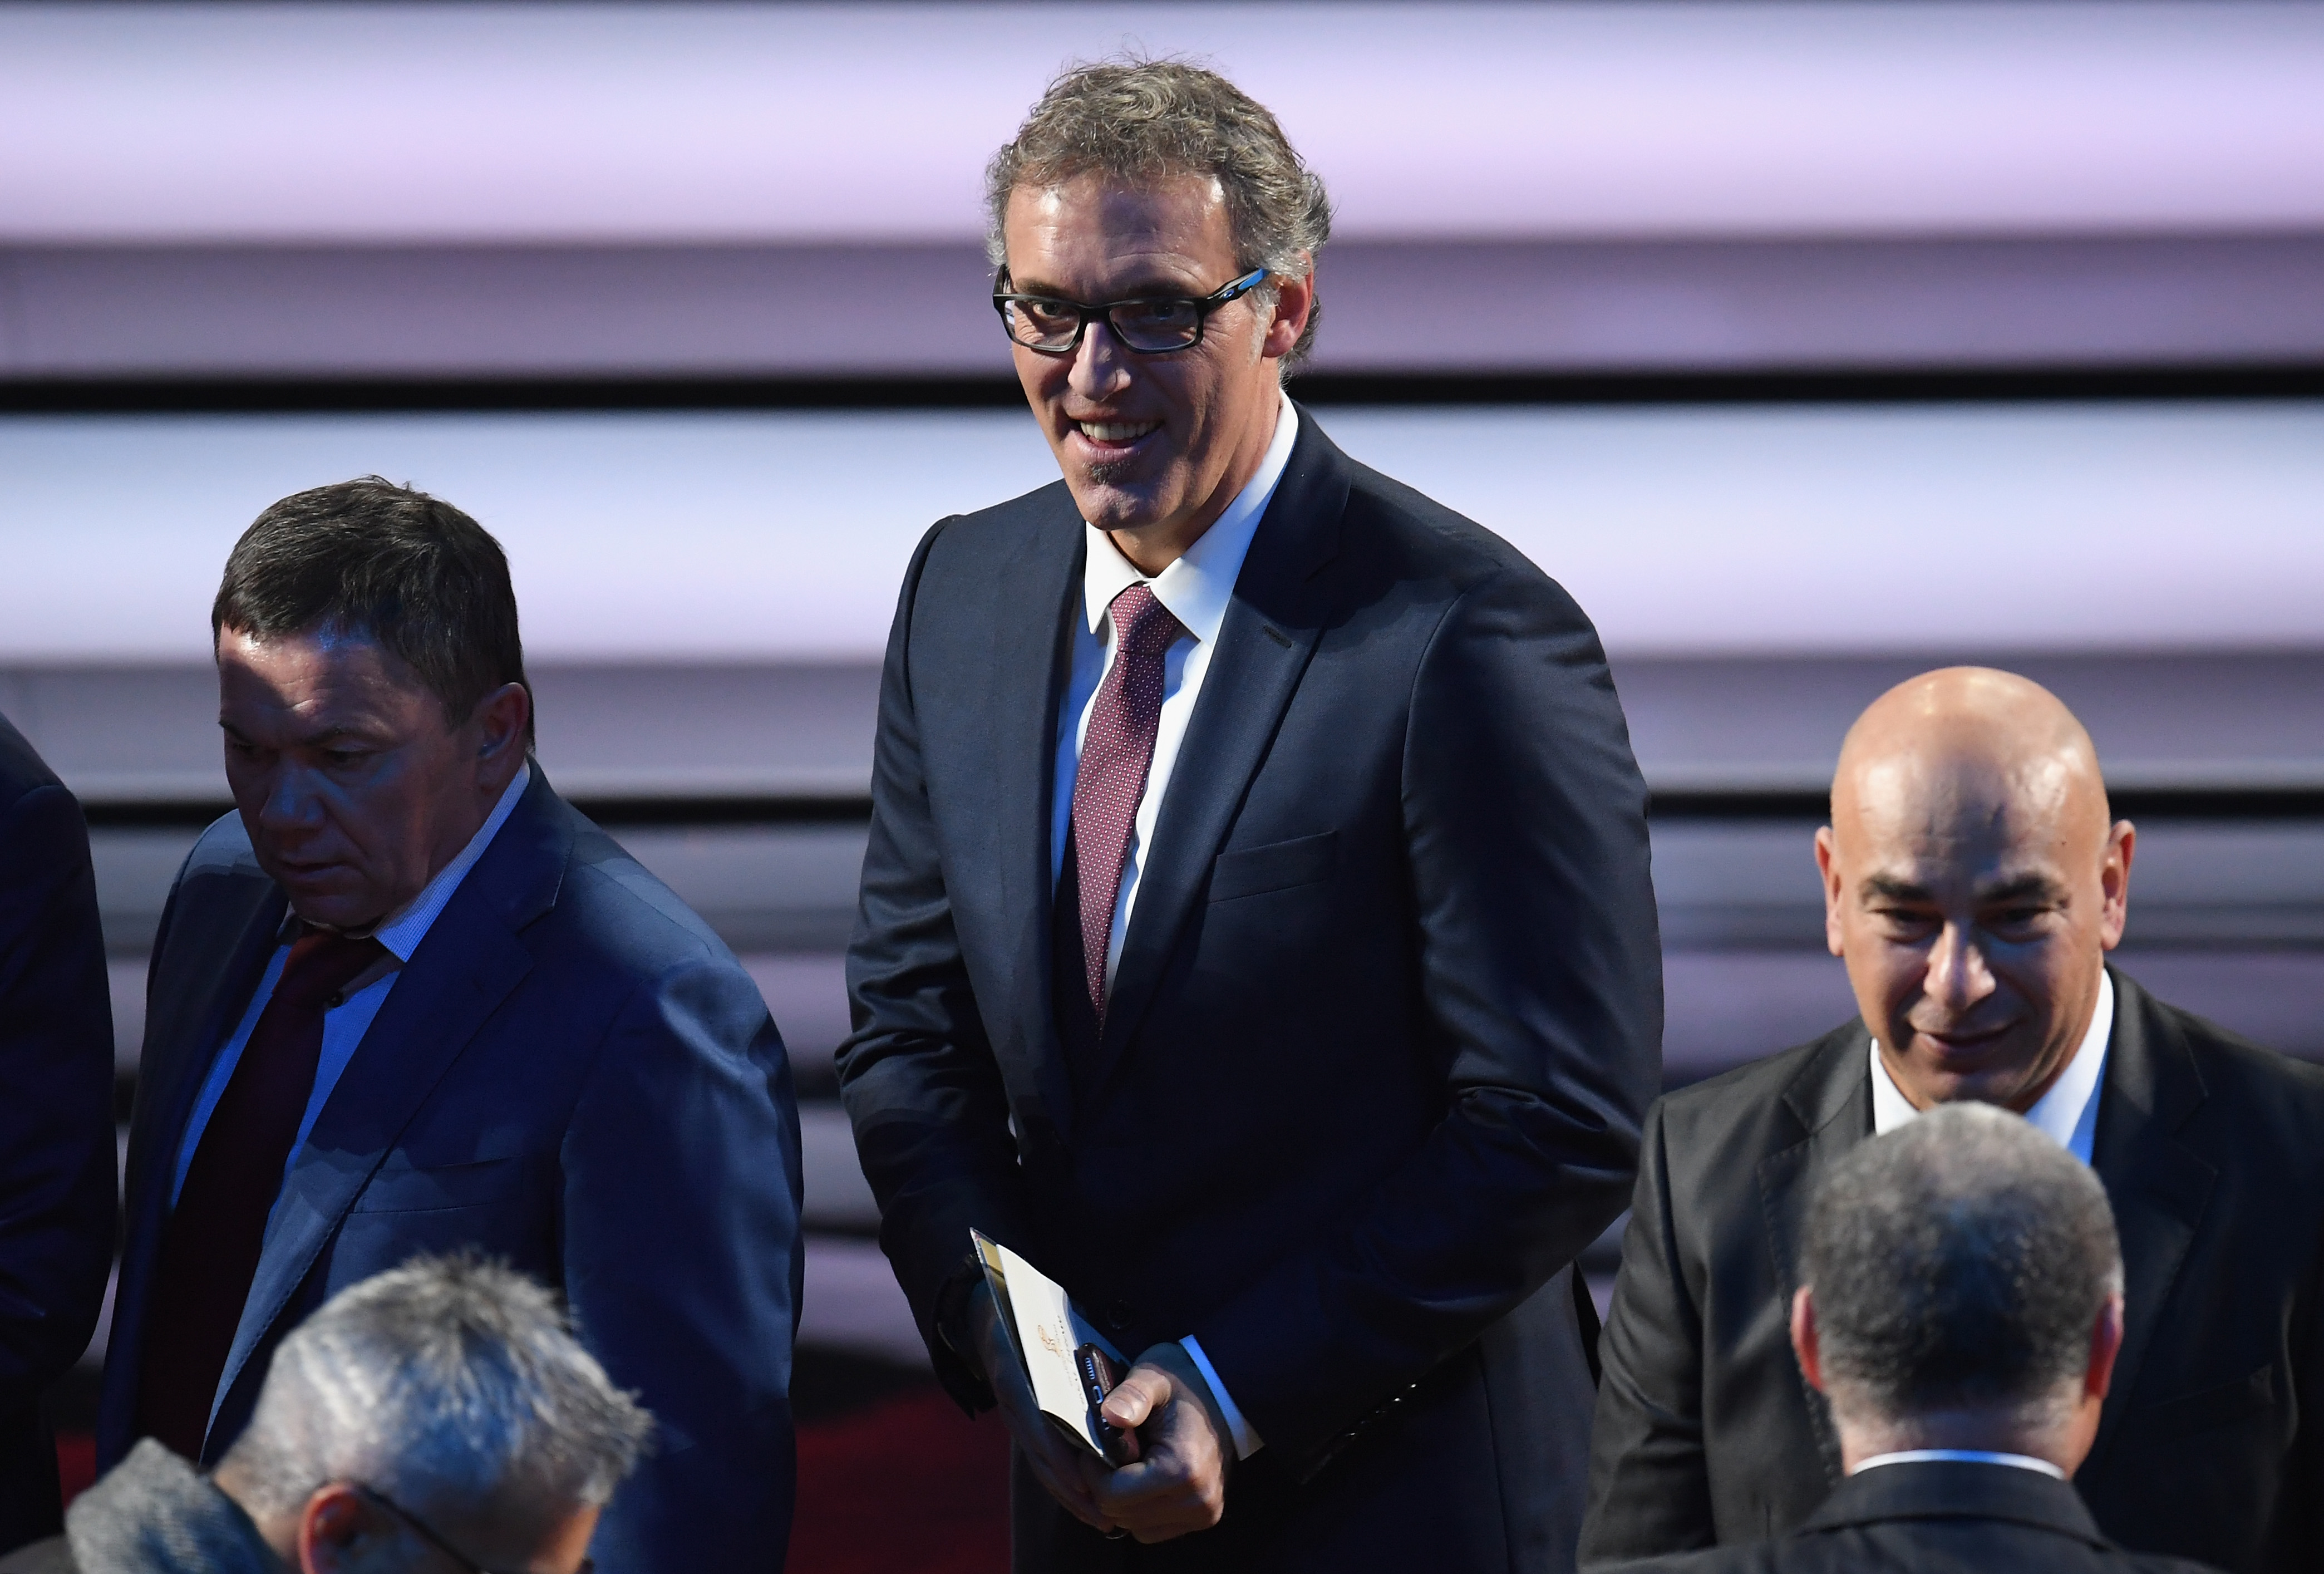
1153 446
1972 884
355 791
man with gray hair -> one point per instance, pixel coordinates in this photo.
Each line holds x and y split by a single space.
1961 1313
1256 931
438 1416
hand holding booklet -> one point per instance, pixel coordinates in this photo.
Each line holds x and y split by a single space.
1070 1365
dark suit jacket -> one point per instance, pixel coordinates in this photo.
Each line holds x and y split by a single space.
56 1122
2212 1153
572 1075
1385 1020
1942 1517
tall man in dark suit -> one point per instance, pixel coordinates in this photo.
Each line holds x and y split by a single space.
1974 880
56 1122
1961 1315
407 1000
1256 930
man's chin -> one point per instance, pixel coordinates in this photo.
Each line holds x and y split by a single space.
331 901
1116 497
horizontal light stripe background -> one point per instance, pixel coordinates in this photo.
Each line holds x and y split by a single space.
782 536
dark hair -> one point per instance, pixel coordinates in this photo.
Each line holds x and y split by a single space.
1958 1263
1134 121
372 558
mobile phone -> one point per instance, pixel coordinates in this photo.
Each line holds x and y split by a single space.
1098 1378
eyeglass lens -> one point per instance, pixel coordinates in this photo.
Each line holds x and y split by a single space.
1140 325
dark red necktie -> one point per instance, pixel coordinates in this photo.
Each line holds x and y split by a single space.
211 1244
1116 752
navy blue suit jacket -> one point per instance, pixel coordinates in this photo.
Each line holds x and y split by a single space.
573 1075
56 1122
1384 1026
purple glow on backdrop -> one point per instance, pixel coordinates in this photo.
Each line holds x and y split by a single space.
456 122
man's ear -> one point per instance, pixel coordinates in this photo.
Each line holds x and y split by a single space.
2114 880
2106 1344
1804 1338
501 719
1294 301
1827 870
334 1529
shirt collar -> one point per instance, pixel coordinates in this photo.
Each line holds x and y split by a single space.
1971 1456
1196 589
402 933
2067 1113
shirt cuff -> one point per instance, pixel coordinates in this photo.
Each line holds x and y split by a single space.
1246 1441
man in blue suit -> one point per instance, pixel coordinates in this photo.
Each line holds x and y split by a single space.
56 1122
407 1000
1256 931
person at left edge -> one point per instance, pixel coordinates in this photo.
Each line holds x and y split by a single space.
407 1000
56 1122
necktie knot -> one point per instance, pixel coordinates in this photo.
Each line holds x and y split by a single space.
1141 624
321 964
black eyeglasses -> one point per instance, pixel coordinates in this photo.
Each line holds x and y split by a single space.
428 1532
1152 325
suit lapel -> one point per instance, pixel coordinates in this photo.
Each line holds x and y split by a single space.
1032 652
2157 1184
472 957
1279 612
1831 1098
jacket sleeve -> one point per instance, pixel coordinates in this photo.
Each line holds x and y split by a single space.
56 1150
1649 1476
1541 973
683 1265
922 1089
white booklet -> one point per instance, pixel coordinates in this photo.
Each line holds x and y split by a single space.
1048 1334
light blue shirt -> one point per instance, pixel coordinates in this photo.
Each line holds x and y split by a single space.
344 1024
1971 1456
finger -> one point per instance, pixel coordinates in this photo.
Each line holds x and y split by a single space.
1140 1394
1063 1480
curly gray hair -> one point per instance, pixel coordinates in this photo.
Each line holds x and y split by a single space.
1137 121
448 1383
1958 1263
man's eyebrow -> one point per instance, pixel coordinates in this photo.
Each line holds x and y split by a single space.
1889 888
1144 289
2038 886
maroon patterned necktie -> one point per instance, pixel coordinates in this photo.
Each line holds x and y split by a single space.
1116 752
211 1242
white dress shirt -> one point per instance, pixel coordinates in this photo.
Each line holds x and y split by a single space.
2068 1114
1973 1455
344 1024
1196 589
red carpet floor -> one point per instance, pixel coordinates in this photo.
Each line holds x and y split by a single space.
907 1485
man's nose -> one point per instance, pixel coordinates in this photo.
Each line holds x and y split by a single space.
1101 366
1958 975
291 802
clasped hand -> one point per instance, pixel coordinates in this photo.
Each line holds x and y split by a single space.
1176 1484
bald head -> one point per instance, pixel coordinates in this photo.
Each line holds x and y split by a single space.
1973 880
1972 738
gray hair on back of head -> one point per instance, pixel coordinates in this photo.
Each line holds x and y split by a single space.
1958 1263
1137 121
450 1383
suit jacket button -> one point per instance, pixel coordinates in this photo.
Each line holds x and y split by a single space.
1120 1315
